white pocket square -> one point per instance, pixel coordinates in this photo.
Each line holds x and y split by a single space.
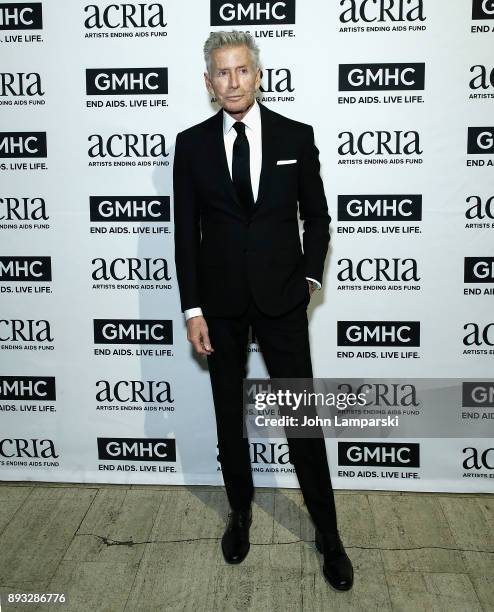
282 162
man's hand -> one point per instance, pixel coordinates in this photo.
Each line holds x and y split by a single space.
312 288
197 334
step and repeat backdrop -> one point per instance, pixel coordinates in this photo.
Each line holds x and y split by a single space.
97 380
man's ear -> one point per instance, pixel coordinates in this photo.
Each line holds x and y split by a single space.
209 86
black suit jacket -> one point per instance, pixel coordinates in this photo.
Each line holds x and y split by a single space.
221 253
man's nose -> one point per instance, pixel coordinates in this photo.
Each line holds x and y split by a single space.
234 81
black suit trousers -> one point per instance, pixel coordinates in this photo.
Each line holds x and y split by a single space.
284 342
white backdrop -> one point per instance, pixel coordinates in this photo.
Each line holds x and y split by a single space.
119 267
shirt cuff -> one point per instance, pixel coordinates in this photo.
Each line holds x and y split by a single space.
314 281
192 312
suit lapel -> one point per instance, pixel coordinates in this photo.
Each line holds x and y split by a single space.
219 154
267 137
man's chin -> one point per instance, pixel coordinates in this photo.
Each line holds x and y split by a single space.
235 108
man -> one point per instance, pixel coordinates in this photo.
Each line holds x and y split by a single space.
238 179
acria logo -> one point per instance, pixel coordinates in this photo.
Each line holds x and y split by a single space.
269 453
243 12
276 80
23 209
131 269
480 209
478 335
482 9
477 394
130 208
30 448
378 269
381 11
483 77
134 391
378 333
137 449
25 330
478 270
40 388
25 268
480 140
477 459
20 84
382 454
22 144
21 16
127 145
384 394
381 77
133 331
126 81
380 142
125 15
380 207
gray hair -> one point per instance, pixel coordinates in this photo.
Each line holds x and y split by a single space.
234 38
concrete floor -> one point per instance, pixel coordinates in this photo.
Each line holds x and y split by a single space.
132 548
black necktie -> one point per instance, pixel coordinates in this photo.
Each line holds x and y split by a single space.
241 168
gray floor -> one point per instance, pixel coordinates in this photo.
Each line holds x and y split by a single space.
131 548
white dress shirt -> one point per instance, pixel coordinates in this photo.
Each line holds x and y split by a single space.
253 132
252 122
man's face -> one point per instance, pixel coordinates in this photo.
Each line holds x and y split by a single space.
234 79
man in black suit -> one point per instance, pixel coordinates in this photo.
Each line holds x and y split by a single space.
239 178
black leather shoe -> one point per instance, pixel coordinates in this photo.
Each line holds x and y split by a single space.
235 542
337 568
